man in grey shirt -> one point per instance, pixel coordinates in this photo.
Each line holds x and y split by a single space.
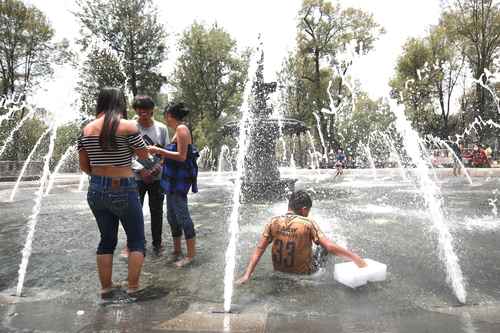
154 133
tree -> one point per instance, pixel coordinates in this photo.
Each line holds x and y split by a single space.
100 69
324 32
427 74
368 117
476 24
210 77
132 31
25 46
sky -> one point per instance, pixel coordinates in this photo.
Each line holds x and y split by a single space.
276 20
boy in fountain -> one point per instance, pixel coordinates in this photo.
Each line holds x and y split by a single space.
292 236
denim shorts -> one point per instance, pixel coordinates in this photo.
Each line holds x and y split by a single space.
113 200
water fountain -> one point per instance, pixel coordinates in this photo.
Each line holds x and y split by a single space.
380 216
261 177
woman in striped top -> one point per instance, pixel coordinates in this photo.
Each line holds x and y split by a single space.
105 149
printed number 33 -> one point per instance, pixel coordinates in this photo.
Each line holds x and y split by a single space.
285 254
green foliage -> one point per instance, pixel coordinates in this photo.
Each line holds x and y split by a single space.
427 74
475 24
210 77
132 31
368 117
101 69
66 138
26 52
23 140
325 32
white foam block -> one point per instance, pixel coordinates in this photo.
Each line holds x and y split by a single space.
352 276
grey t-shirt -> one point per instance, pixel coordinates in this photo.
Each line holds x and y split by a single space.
155 135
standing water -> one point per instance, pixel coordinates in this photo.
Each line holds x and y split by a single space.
34 215
432 196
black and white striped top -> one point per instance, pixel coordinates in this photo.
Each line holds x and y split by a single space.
121 156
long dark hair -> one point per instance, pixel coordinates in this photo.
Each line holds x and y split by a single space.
112 102
178 110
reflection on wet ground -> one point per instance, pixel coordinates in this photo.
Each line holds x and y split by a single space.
383 219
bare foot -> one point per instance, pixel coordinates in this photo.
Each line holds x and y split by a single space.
183 262
173 257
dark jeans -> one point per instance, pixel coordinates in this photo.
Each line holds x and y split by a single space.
113 200
155 195
178 216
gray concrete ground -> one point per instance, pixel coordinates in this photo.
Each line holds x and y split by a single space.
381 216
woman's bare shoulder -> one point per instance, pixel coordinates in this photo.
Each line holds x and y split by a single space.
183 129
127 127
91 128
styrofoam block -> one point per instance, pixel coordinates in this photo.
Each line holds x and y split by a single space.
349 274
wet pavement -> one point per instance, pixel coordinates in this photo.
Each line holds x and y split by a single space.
383 219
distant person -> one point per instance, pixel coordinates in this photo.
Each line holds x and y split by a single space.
479 158
292 236
489 152
340 160
105 151
458 150
153 133
179 175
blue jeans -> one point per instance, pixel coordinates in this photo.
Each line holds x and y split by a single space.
113 200
178 216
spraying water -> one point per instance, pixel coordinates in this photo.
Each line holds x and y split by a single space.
224 153
390 143
370 160
61 162
244 129
466 173
314 153
492 93
82 181
15 106
13 132
431 194
318 125
493 203
26 163
34 215
279 116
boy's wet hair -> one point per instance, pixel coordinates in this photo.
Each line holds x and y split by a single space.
143 102
299 199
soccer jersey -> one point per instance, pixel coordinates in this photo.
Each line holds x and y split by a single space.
292 237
